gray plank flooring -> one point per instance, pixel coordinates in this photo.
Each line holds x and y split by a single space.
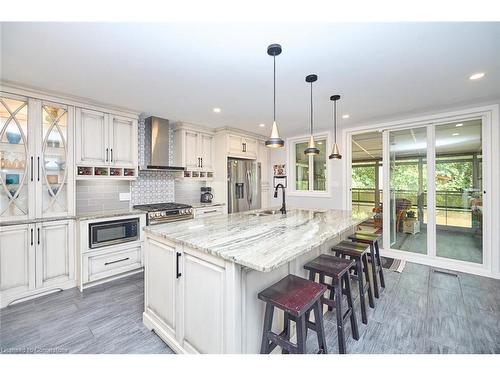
420 311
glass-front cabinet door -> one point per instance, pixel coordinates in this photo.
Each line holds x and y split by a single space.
55 178
15 161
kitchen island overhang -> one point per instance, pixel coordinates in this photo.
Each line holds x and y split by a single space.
202 276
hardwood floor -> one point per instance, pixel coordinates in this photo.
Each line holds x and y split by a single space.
103 319
420 311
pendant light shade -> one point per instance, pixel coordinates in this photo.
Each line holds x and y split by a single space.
311 147
275 140
335 149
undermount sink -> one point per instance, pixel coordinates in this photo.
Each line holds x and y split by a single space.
265 213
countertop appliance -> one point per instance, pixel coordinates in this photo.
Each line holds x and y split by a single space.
156 145
113 232
243 179
159 213
206 195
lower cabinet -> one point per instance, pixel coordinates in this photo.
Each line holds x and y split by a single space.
185 296
36 258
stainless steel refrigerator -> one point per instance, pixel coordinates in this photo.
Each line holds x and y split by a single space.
243 179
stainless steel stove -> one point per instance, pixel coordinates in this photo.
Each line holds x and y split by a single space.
158 213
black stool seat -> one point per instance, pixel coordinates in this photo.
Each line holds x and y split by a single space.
352 248
293 294
328 265
297 297
359 253
338 270
374 256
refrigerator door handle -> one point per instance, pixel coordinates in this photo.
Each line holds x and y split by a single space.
249 189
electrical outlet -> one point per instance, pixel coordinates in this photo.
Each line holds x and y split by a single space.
124 196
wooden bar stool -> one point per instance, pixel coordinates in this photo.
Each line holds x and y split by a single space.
372 240
338 270
359 253
297 297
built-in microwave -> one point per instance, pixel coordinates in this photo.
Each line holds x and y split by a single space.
113 232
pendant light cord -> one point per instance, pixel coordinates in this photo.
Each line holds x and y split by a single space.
334 121
311 108
274 88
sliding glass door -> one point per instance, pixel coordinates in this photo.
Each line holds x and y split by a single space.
459 191
424 186
408 187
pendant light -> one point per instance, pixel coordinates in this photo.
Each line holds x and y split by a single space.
335 149
275 140
311 147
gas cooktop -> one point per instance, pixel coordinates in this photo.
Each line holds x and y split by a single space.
158 213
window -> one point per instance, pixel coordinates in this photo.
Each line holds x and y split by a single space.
308 173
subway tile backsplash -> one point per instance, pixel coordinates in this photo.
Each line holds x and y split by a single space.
94 195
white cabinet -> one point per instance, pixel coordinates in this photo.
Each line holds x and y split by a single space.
187 305
123 141
208 211
240 146
36 159
35 258
203 310
106 145
54 252
194 151
161 268
91 137
17 259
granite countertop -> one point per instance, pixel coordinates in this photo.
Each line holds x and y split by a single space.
111 213
82 216
262 243
38 220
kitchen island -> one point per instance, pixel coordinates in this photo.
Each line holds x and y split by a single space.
202 276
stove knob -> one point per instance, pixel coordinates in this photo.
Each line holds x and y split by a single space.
190 211
183 211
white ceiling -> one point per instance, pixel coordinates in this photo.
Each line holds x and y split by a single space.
182 71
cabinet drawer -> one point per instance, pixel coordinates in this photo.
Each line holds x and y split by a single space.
208 211
109 264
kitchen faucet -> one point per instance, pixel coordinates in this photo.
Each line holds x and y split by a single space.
283 206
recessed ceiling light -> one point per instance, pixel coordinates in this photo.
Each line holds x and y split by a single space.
262 125
477 76
455 134
347 115
459 125
320 143
217 110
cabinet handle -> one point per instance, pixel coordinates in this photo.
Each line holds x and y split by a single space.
201 162
38 235
32 169
38 163
177 273
31 236
209 212
111 155
107 153
116 261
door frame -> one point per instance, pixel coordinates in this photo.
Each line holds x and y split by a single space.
491 183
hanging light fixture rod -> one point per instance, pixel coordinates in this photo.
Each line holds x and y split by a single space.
335 149
274 140
311 147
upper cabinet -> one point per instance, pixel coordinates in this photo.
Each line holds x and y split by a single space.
243 147
194 151
36 158
106 145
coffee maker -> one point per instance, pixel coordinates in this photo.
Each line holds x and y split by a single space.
206 195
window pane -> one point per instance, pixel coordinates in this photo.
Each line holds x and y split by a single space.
301 167
319 161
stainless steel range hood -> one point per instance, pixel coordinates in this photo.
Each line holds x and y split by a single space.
156 145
